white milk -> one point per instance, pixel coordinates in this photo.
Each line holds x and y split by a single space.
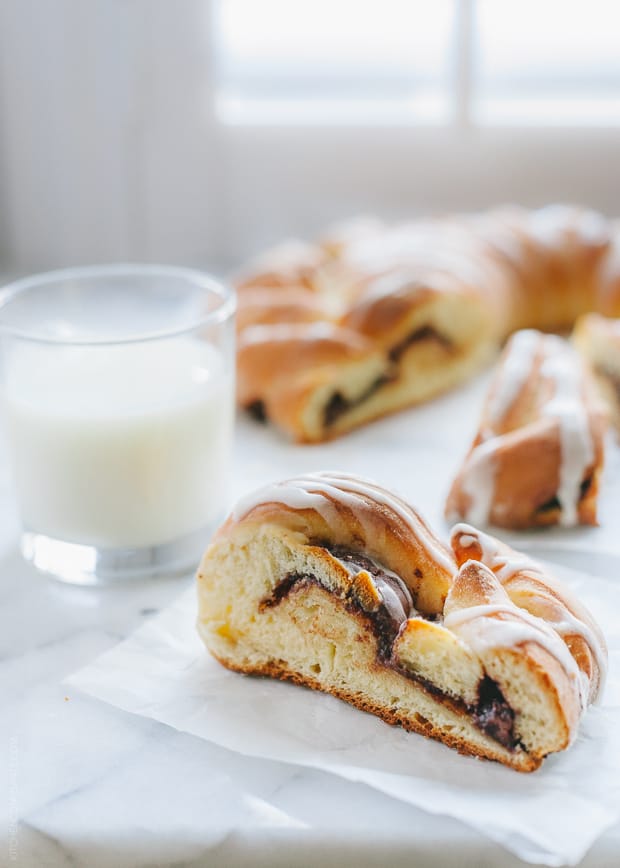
119 446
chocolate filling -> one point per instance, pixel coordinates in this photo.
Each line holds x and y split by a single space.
334 408
395 608
338 404
397 603
492 714
257 411
284 588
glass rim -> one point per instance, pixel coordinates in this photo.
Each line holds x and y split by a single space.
224 309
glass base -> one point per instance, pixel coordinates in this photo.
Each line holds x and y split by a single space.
80 564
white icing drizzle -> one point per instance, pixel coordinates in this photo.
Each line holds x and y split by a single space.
507 564
594 228
466 265
478 482
426 245
318 491
498 229
293 496
395 282
467 540
478 479
548 225
520 355
563 368
551 224
344 482
397 245
490 632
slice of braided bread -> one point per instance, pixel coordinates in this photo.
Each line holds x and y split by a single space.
538 454
332 582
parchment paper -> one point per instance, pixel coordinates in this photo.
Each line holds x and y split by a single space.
551 816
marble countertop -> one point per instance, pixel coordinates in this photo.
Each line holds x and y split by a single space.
89 785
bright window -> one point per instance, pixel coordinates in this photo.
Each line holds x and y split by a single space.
547 61
532 62
334 59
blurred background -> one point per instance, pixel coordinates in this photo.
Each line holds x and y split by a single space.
198 131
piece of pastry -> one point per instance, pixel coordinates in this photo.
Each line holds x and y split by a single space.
598 340
538 454
332 582
434 297
408 336
299 374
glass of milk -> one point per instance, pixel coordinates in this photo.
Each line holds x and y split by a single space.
118 388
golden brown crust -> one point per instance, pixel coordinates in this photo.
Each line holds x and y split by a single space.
275 357
464 283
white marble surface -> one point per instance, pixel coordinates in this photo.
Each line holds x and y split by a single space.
89 785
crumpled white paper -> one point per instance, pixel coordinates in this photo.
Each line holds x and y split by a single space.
550 816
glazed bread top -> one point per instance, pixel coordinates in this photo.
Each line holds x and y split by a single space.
339 509
540 438
541 268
